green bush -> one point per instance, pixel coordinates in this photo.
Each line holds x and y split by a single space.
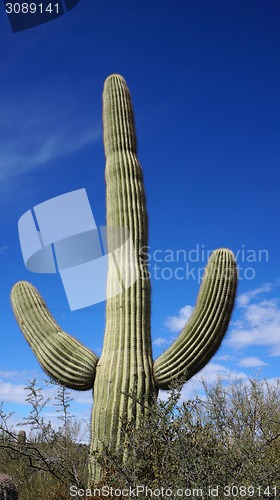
230 437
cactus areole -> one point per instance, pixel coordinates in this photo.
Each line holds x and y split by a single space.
126 365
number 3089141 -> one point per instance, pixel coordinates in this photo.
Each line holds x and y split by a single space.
31 8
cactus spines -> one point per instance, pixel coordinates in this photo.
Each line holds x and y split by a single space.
126 363
204 332
61 356
8 489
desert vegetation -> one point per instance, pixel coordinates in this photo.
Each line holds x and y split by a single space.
229 437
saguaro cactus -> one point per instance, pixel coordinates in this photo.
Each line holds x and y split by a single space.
21 440
126 363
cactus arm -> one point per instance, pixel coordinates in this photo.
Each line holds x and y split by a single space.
207 326
61 356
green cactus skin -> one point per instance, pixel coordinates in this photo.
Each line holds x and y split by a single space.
203 333
126 364
61 356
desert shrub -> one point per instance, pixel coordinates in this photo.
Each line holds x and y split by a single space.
46 463
228 437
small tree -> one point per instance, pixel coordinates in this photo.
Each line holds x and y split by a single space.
50 461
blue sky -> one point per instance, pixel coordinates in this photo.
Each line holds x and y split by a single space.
204 78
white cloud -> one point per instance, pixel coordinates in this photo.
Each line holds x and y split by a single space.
177 323
18 375
82 397
10 374
244 298
225 357
17 421
160 342
12 393
260 326
213 370
251 362
210 373
15 393
257 326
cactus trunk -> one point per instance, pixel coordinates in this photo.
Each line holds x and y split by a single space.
125 365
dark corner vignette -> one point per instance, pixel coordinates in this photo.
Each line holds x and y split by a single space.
24 15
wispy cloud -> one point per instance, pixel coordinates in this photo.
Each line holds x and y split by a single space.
39 129
13 395
84 397
4 248
251 362
176 323
245 298
13 391
225 357
16 375
210 373
257 326
161 342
